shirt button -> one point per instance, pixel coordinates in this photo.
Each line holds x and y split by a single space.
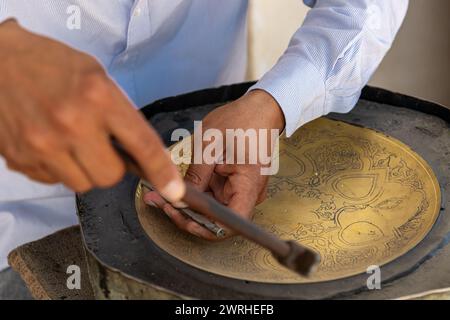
137 12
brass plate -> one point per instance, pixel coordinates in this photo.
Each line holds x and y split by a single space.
355 195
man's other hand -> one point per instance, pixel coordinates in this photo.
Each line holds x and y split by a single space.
58 112
238 186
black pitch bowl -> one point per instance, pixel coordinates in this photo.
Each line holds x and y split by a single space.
124 263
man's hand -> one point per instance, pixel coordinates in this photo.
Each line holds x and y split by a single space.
238 186
58 112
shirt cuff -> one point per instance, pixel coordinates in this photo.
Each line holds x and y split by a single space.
299 89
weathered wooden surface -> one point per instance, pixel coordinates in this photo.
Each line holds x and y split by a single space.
42 264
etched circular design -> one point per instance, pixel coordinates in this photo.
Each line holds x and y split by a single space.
356 196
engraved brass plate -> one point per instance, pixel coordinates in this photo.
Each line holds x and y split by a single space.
355 195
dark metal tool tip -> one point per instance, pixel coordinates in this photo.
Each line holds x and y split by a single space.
300 259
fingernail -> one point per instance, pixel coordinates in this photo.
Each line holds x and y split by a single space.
180 205
150 203
173 191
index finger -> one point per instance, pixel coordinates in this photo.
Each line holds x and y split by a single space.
142 142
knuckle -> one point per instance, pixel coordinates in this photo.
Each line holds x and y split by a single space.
67 117
95 87
37 140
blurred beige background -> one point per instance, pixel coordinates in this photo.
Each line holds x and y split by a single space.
418 64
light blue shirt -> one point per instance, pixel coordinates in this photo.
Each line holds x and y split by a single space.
159 48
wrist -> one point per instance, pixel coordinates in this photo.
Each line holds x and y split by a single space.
269 107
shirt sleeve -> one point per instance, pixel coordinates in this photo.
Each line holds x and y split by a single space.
331 57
